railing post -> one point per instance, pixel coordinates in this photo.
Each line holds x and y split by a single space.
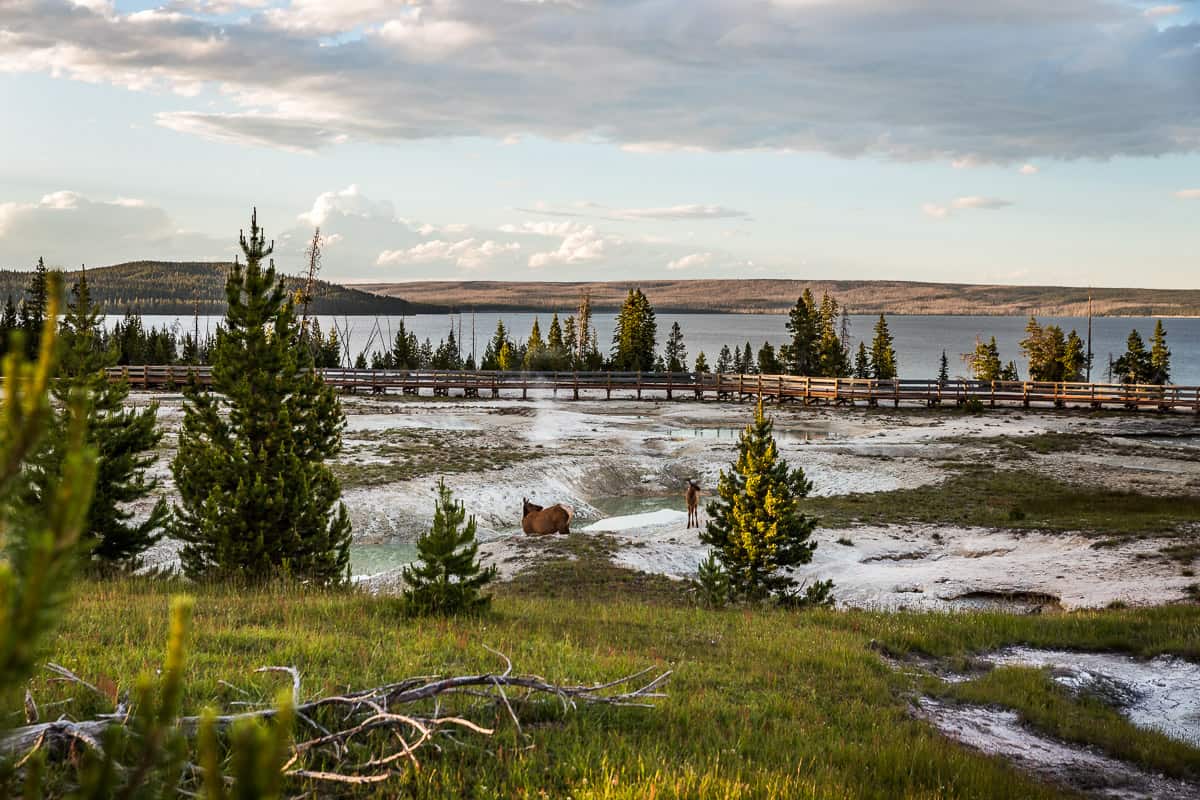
639 384
575 376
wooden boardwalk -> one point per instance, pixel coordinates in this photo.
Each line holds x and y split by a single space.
687 385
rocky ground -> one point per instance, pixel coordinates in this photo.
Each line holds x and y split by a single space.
623 466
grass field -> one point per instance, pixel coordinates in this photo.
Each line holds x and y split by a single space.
763 703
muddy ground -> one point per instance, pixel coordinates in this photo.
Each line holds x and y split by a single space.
622 466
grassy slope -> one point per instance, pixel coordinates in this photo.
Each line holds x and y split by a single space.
762 704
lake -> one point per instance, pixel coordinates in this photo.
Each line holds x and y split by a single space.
920 340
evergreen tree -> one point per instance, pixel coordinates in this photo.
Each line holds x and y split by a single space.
554 338
635 336
257 499
425 355
701 364
1009 373
1074 359
360 361
862 362
491 353
1045 349
676 351
749 363
123 438
447 577
505 360
33 309
570 343
943 370
9 323
712 583
589 352
1160 356
768 364
985 361
801 356
1134 366
724 361
883 354
534 348
831 354
405 350
755 526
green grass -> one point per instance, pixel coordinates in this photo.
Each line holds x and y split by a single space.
763 703
1051 708
981 495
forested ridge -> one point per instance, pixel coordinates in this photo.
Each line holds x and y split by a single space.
776 296
168 287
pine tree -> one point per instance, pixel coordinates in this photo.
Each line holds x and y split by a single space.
676 351
985 361
33 310
755 525
768 364
701 366
862 362
883 354
1009 373
505 360
404 355
425 355
712 583
534 348
554 338
749 363
1134 366
447 577
1074 359
1160 356
589 354
9 323
801 356
831 354
570 343
123 438
491 353
257 499
943 370
724 361
635 336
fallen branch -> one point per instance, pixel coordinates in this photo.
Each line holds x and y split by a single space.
390 709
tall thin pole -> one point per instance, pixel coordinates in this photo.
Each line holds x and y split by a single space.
1089 349
474 362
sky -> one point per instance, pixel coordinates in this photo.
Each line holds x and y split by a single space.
1008 141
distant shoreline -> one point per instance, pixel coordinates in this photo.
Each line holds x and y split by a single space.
771 296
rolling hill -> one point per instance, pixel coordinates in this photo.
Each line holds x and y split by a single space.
169 287
768 296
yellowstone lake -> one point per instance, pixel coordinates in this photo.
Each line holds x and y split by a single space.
920 339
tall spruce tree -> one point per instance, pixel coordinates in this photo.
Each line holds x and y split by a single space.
883 354
1160 356
675 351
33 309
724 361
801 356
257 499
943 370
985 361
756 527
862 362
1134 366
749 362
1074 358
701 366
123 438
768 362
635 336
447 576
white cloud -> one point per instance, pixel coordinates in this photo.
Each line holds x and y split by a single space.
688 211
973 202
690 261
1162 11
577 247
464 254
1188 194
349 202
1016 79
68 229
1029 169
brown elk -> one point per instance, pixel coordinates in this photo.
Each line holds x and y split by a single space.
538 521
693 504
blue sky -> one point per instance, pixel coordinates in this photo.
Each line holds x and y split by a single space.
1008 142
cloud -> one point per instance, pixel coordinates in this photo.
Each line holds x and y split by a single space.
1188 194
1029 169
1002 82
465 254
1155 12
690 211
68 229
578 246
345 202
690 261
970 203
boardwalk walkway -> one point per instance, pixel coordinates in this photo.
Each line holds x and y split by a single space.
687 385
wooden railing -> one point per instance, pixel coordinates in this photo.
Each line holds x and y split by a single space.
725 386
